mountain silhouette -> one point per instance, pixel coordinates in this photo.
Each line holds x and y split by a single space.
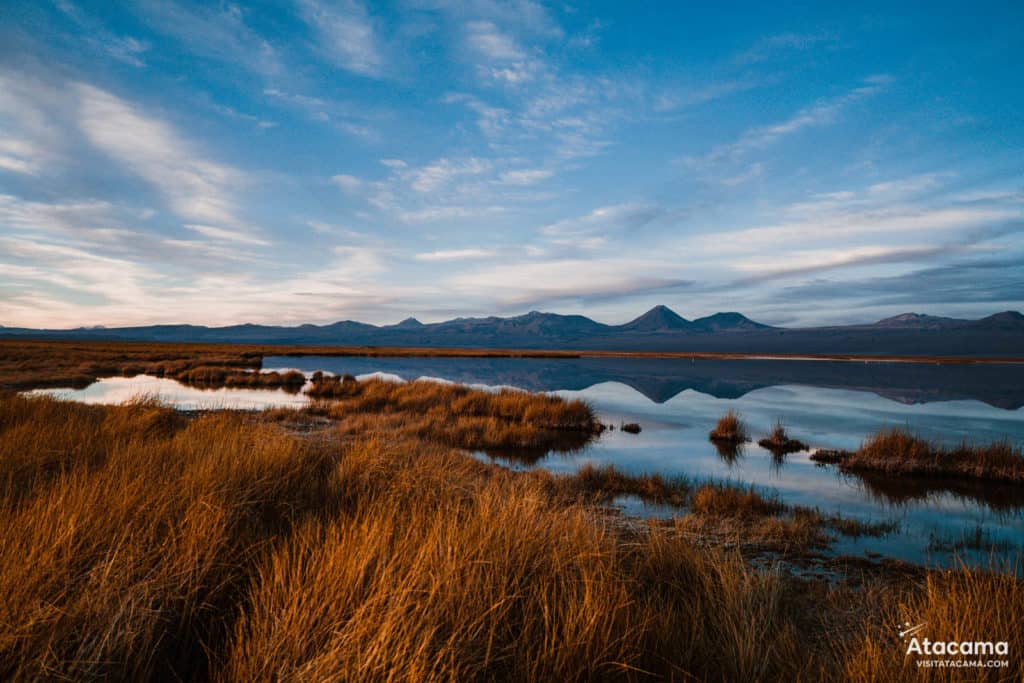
659 329
658 319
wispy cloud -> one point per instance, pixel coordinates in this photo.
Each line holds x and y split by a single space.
525 176
533 283
617 217
454 254
124 49
224 235
485 38
348 183
434 176
194 187
346 118
219 32
821 113
753 171
767 47
345 35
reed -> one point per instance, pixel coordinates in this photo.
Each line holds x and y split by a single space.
730 429
141 543
780 443
897 451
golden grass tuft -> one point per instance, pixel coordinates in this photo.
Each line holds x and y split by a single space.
896 451
780 443
730 429
140 543
965 604
453 415
717 499
120 555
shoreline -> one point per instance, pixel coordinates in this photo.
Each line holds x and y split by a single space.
294 350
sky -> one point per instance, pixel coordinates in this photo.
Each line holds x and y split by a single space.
310 161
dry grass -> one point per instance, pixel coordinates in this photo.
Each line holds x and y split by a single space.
139 543
730 429
31 364
964 604
779 443
128 532
896 451
717 499
34 363
220 376
500 423
603 484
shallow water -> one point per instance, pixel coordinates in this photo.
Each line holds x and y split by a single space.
115 390
827 405
676 402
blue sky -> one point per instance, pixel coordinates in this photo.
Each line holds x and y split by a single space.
311 161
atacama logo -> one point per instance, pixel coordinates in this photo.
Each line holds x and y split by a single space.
954 653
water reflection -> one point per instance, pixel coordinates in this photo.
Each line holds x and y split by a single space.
729 451
659 380
115 390
998 497
825 405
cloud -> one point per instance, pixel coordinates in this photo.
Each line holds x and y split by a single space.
215 31
20 156
525 176
345 35
532 283
454 255
889 222
804 261
989 280
342 115
909 186
224 235
431 214
434 176
348 183
124 49
767 47
31 142
195 188
485 38
753 171
680 98
616 217
819 114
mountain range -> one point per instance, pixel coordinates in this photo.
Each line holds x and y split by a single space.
659 329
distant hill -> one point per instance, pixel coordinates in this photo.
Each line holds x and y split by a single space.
727 322
658 319
659 329
917 321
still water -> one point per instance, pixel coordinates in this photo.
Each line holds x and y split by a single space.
676 402
115 390
825 404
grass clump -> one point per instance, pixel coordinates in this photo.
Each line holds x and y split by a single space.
140 544
730 429
896 451
779 442
221 376
603 484
499 422
718 499
121 560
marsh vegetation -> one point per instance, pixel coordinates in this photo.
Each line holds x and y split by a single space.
140 541
358 539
